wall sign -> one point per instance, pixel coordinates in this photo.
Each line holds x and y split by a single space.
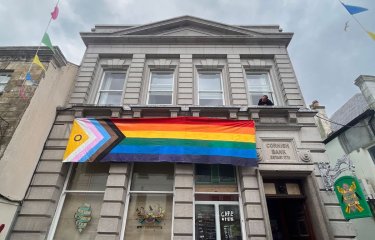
180 139
351 198
279 150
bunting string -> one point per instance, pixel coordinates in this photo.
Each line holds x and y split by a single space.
355 10
47 42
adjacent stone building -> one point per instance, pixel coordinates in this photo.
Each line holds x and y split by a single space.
26 118
353 134
186 66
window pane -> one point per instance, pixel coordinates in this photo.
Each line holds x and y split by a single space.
209 82
203 173
205 226
152 177
211 98
113 81
158 224
230 226
4 78
110 98
160 98
257 79
90 176
67 229
227 174
161 81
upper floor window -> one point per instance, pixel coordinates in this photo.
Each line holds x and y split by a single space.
371 150
259 84
4 79
161 88
210 89
111 88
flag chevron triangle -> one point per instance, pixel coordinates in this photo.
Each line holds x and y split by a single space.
102 136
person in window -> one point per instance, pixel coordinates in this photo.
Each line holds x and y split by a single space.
265 101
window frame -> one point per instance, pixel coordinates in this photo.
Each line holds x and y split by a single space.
99 91
61 202
7 74
220 72
269 83
149 86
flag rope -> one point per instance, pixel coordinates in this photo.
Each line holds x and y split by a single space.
359 23
36 53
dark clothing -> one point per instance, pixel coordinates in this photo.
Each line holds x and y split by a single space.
268 102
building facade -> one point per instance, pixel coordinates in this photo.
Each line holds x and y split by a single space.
27 112
355 136
193 67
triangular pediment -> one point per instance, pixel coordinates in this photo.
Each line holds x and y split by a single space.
187 26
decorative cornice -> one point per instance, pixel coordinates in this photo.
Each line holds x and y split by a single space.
27 53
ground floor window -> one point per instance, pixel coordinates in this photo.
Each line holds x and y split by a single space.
150 202
217 220
78 211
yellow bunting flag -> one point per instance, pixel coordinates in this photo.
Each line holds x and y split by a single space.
372 35
37 62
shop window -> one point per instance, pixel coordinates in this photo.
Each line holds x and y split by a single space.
81 202
150 202
111 88
161 88
259 84
210 89
4 79
217 212
371 150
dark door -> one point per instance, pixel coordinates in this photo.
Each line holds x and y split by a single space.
289 219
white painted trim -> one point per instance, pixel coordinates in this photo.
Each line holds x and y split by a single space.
59 207
125 214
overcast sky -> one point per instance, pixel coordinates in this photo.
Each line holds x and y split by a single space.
326 58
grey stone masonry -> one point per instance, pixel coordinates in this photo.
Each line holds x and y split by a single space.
288 83
111 214
39 206
84 81
185 82
183 200
253 204
237 83
135 75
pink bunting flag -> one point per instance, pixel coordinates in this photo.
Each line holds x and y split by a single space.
55 13
22 92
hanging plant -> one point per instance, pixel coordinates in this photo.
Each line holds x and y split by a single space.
83 216
150 216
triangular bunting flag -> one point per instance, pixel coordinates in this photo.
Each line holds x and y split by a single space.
55 13
28 76
37 62
372 35
47 41
354 9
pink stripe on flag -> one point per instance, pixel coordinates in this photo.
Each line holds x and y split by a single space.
98 138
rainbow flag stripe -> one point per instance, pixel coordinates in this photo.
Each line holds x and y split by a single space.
181 139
